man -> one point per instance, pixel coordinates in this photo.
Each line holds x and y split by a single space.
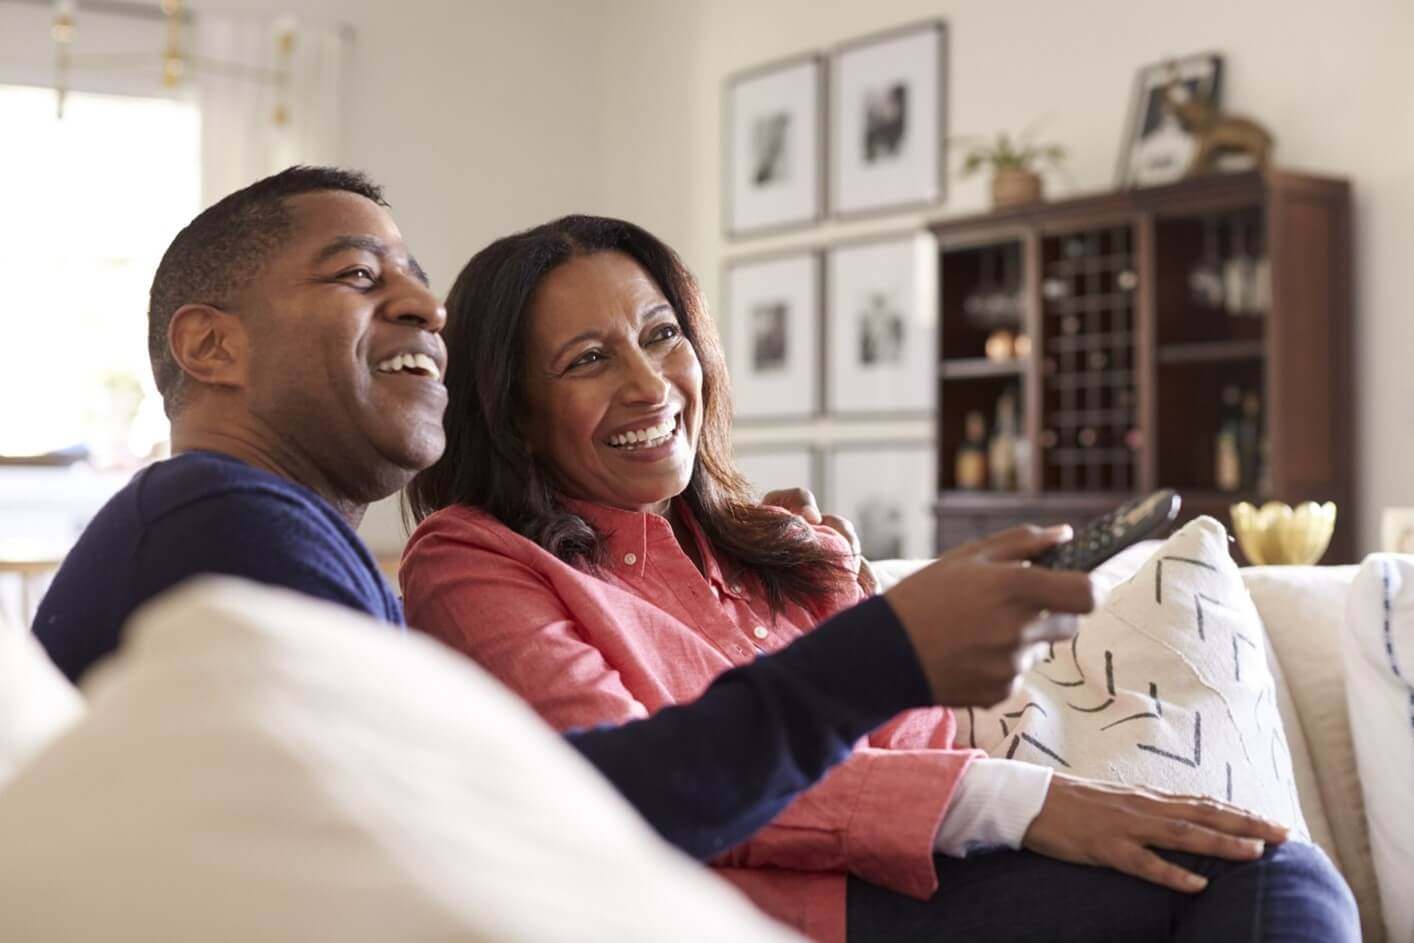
295 344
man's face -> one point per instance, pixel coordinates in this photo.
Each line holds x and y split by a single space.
346 355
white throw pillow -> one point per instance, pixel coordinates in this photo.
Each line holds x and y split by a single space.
1165 685
1379 690
37 703
256 765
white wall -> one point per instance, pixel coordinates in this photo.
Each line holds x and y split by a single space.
1334 83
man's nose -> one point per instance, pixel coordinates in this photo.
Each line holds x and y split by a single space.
416 304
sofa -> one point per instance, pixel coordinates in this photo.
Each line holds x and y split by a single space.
219 665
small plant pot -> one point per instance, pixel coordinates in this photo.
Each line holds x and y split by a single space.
1013 187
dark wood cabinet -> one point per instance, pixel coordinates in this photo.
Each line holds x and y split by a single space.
1197 336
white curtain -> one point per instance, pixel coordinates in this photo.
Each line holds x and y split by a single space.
241 141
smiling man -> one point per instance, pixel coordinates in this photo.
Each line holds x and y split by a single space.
296 347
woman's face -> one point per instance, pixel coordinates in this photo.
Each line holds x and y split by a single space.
613 388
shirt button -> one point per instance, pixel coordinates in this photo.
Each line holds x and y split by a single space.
760 631
630 558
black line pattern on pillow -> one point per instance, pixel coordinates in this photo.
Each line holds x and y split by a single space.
1075 660
1155 714
1159 573
1197 759
1016 742
1109 686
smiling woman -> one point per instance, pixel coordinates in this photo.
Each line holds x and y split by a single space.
81 238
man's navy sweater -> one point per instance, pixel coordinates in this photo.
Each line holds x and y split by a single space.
706 775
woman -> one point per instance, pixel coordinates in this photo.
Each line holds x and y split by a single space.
586 538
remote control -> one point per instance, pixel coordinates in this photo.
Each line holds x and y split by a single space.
1107 535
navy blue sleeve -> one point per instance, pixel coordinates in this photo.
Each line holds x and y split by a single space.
707 775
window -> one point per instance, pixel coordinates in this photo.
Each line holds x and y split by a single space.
90 203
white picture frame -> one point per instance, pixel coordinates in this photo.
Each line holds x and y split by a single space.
888 120
772 306
881 326
887 490
1156 150
774 143
771 468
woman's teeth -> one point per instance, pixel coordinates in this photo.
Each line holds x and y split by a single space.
645 438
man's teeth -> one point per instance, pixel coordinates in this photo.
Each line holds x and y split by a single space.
413 363
645 438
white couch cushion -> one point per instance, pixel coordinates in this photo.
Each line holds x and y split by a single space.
36 702
1303 609
260 766
1379 672
1165 685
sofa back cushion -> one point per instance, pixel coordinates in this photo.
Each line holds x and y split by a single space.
1379 675
256 765
1165 685
37 703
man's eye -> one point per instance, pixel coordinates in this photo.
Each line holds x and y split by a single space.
361 273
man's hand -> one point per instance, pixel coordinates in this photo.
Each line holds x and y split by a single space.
801 503
1116 826
975 614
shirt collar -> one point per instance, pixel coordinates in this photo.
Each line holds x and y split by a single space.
632 535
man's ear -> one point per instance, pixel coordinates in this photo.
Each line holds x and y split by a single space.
210 345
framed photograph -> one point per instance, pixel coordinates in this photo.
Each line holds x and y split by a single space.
881 326
774 118
770 468
773 335
1397 530
1156 149
887 103
888 491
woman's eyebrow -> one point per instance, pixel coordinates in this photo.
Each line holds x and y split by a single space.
654 309
581 337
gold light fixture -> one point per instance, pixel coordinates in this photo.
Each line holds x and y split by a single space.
175 62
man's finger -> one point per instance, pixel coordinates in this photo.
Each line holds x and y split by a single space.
844 528
1021 543
1053 590
799 501
1051 627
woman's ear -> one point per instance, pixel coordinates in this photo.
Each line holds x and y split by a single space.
210 345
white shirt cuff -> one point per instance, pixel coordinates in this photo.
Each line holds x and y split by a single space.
994 804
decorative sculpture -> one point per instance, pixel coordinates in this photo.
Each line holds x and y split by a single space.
1215 133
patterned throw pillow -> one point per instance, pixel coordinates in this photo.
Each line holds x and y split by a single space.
1165 685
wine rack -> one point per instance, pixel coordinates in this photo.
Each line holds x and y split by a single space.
1194 336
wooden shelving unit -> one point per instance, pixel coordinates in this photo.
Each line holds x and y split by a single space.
1149 314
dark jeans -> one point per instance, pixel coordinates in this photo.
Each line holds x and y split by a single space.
1292 892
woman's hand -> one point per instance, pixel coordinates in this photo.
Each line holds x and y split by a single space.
801 503
1089 822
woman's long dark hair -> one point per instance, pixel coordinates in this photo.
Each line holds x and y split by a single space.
487 465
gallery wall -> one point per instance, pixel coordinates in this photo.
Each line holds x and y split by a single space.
1334 89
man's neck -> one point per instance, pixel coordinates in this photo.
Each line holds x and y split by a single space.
285 462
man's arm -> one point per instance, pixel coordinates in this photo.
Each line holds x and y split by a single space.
708 774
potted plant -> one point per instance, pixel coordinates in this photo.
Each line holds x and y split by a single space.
1014 164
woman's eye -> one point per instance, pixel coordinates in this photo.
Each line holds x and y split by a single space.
587 358
666 332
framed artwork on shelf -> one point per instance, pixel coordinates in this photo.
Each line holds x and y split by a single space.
888 491
770 468
887 120
773 335
1156 149
774 120
881 326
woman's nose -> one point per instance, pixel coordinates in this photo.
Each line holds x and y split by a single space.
644 381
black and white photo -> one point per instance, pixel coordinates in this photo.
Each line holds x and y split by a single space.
772 334
887 491
1156 147
887 103
881 320
774 122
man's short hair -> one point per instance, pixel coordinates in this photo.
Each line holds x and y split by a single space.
224 249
